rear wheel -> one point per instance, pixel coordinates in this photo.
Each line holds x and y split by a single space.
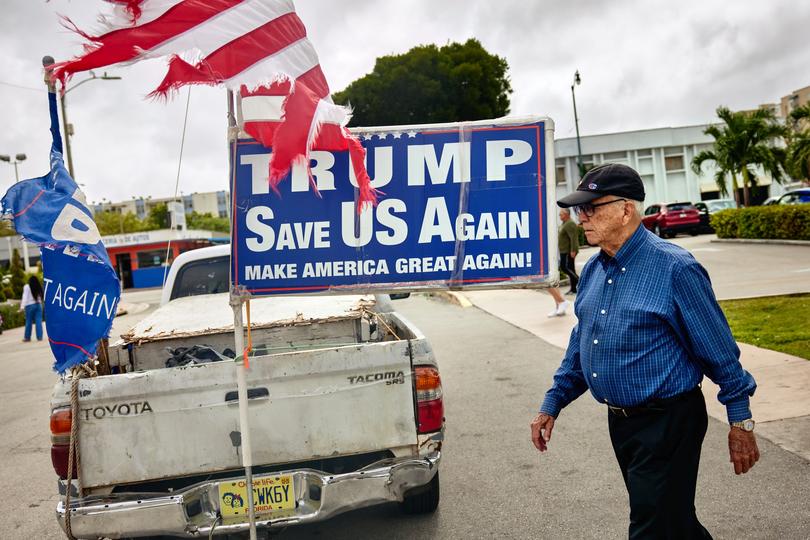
422 499
658 232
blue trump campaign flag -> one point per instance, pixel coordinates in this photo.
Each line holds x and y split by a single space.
81 287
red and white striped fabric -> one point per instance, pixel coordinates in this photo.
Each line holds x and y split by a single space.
258 47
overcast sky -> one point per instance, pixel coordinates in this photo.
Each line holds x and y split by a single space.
644 64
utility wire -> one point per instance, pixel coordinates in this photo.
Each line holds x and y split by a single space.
4 83
177 182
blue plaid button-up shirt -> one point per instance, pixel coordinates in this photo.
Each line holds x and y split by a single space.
649 328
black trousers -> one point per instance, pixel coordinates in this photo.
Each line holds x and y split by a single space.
567 266
659 454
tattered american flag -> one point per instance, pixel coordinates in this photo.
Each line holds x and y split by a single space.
257 47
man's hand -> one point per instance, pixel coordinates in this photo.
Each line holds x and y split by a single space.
742 449
541 431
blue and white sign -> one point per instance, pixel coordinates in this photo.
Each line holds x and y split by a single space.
463 205
81 289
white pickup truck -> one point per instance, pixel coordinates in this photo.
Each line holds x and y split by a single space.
345 410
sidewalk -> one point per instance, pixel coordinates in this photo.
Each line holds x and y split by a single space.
781 405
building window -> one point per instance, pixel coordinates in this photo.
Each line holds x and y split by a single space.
645 152
149 259
560 171
615 157
673 159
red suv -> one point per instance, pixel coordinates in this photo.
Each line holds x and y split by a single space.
668 219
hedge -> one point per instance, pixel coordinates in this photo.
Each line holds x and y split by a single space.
783 222
12 316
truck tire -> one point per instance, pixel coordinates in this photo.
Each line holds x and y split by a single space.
423 499
658 232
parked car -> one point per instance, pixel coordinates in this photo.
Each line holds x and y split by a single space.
770 201
668 219
795 196
707 208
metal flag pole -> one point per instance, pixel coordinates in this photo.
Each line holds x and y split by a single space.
237 299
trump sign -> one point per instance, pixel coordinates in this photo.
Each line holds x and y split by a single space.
468 205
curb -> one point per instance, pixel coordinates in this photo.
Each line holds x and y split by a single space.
775 241
453 297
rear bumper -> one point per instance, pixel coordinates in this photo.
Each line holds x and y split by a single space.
680 226
194 511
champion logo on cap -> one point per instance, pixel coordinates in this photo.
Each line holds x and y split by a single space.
591 186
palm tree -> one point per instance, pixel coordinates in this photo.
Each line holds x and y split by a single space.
724 167
744 142
798 150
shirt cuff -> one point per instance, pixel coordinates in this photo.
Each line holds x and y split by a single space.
738 410
551 407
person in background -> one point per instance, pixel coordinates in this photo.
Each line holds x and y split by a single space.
31 303
562 304
568 243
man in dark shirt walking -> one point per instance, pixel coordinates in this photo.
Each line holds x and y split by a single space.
568 241
649 330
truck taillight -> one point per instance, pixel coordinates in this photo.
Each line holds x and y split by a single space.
61 422
429 404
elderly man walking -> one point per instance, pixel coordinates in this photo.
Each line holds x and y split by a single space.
649 330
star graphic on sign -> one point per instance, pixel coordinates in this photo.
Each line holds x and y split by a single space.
366 136
411 134
397 135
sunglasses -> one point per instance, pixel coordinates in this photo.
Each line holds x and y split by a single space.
590 209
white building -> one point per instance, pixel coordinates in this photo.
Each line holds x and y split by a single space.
216 203
662 157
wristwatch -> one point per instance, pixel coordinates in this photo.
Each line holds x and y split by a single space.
745 425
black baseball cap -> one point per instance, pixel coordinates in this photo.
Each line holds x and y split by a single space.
608 179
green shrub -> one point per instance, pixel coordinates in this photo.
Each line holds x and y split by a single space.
12 316
581 232
17 272
783 222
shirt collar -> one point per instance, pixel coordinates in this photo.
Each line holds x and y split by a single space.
628 249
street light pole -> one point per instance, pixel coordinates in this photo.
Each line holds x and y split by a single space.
47 62
17 159
580 166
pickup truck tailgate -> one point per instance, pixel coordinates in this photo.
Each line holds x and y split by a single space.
304 405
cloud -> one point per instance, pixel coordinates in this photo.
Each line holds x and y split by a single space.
644 64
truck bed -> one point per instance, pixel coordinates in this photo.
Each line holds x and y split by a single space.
307 401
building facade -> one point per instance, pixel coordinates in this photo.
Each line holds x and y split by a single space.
662 157
216 203
795 99
142 259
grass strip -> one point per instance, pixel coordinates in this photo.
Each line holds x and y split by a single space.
779 323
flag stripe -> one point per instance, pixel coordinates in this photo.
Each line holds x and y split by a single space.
233 23
277 50
269 109
262 108
293 61
128 44
273 39
150 10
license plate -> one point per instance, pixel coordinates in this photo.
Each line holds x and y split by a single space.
271 493
682 215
